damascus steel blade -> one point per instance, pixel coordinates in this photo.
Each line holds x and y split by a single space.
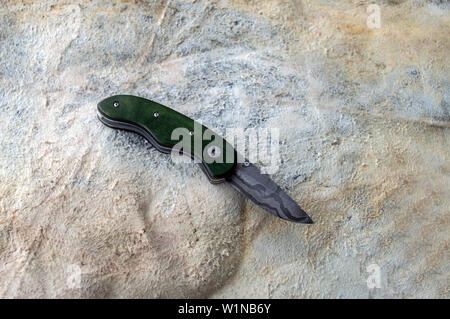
261 190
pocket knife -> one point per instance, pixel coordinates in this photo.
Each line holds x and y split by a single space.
156 122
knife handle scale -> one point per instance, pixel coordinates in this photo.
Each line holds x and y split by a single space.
170 131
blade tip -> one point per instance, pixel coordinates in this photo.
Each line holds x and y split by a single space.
308 220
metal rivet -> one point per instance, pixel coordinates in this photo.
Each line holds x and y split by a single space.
246 163
214 151
116 104
191 133
156 114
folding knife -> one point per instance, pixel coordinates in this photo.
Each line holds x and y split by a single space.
156 122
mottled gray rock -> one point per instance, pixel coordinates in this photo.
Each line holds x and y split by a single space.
364 118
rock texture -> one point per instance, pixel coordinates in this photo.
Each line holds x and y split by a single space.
364 119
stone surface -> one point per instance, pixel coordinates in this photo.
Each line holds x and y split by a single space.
364 119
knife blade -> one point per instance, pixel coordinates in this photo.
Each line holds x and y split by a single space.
261 190
156 122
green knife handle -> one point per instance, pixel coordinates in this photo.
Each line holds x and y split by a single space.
166 128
